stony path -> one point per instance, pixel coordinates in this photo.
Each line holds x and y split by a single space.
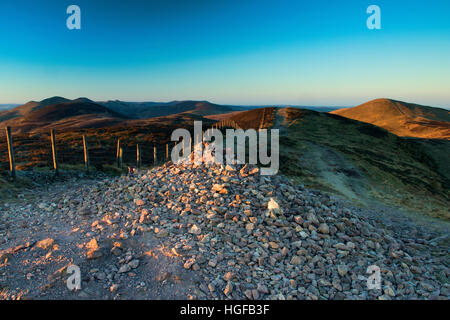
190 232
39 240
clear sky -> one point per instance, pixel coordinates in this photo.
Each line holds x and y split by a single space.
227 51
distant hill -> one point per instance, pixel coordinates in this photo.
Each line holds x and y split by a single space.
401 118
29 107
61 113
6 106
137 110
314 108
118 109
144 110
204 108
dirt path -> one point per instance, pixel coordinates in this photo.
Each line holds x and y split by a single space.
330 168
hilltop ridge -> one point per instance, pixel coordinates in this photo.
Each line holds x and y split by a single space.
402 118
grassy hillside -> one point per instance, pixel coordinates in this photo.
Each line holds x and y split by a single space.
257 118
360 161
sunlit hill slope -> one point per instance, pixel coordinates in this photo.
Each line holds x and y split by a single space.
401 118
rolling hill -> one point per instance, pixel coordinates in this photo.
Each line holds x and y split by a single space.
78 107
136 110
144 110
64 114
58 112
29 107
401 118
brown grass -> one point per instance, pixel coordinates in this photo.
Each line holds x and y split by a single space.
401 118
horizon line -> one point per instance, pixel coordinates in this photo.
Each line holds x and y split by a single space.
225 104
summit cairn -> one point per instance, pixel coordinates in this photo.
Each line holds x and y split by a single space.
277 239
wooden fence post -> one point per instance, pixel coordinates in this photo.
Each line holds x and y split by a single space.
118 153
120 158
167 151
12 165
86 153
155 159
138 156
54 155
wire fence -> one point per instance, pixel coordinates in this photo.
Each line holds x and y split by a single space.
30 151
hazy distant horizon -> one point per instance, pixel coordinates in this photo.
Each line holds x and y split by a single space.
6 106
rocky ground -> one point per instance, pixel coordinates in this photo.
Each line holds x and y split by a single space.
198 232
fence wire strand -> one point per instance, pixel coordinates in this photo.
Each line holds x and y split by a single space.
36 151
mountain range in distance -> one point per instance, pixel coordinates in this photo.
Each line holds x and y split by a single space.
63 113
401 118
138 109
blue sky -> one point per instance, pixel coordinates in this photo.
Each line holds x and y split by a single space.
237 52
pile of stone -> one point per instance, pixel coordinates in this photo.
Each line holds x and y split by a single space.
246 236
262 237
